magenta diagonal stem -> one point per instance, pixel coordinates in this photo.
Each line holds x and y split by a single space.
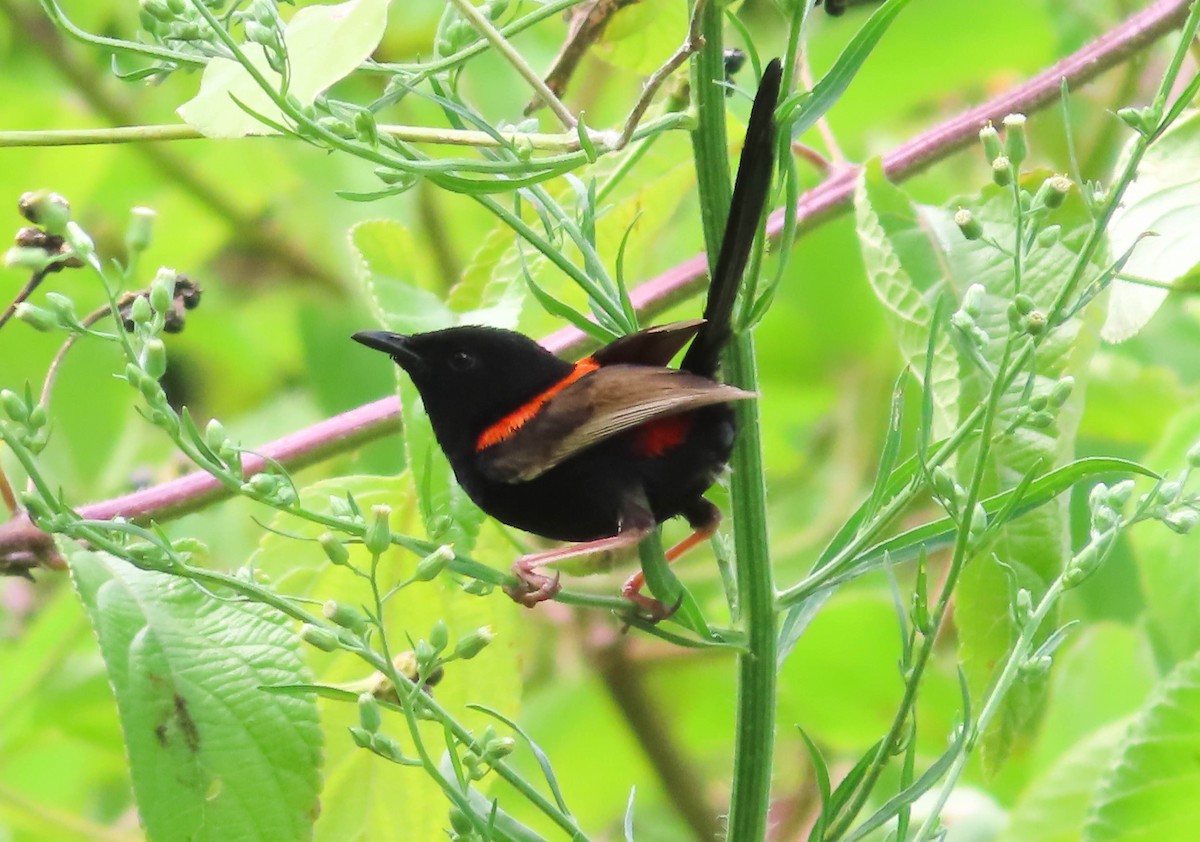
350 429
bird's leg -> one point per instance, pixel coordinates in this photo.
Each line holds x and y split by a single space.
634 525
704 518
537 587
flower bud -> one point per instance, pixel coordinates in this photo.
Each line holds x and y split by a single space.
1041 420
1193 456
46 209
14 407
139 231
1049 235
439 636
1015 145
361 736
346 616
154 358
1062 391
990 138
429 567
968 224
1024 606
368 713
943 484
973 299
39 319
1002 171
979 522
1060 186
1035 323
498 748
474 643
162 290
1183 521
1120 493
1169 492
323 639
378 536
140 311
29 258
81 244
388 747
334 549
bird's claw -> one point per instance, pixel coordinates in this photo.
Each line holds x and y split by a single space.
532 587
650 610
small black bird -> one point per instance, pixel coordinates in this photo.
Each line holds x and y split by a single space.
599 451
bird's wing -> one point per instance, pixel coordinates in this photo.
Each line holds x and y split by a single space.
653 346
598 406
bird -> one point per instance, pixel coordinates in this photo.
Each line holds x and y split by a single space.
601 451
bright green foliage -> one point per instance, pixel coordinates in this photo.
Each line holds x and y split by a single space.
214 756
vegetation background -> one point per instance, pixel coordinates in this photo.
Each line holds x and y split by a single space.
258 224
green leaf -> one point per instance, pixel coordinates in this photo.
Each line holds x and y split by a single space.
1054 805
1148 791
1164 200
324 45
213 757
642 36
906 270
365 796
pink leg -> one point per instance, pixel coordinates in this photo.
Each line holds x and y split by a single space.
537 587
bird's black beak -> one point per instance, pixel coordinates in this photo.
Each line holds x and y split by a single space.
395 345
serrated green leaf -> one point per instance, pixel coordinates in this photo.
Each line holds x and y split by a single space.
212 756
366 797
907 272
1165 201
324 44
1148 791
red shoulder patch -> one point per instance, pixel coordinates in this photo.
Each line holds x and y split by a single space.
520 416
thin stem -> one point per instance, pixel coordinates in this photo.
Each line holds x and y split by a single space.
502 46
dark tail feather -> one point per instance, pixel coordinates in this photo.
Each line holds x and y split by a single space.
750 192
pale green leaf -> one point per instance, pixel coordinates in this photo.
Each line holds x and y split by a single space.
1163 201
907 273
1054 805
213 757
1149 789
324 44
642 36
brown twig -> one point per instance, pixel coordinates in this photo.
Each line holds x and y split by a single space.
586 26
30 287
366 423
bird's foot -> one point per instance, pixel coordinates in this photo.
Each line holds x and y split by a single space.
532 587
647 608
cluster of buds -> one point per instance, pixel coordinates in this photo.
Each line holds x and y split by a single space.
176 20
1041 409
45 247
169 301
28 417
455 33
485 751
1105 504
953 498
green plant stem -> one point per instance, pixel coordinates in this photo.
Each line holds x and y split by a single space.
502 46
754 740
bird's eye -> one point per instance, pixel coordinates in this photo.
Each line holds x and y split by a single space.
461 361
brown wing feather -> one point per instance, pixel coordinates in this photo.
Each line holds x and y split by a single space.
598 406
653 346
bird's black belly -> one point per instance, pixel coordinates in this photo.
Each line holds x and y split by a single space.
586 496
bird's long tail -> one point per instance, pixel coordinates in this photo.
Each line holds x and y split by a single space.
750 191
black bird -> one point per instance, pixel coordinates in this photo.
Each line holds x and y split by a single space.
599 451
